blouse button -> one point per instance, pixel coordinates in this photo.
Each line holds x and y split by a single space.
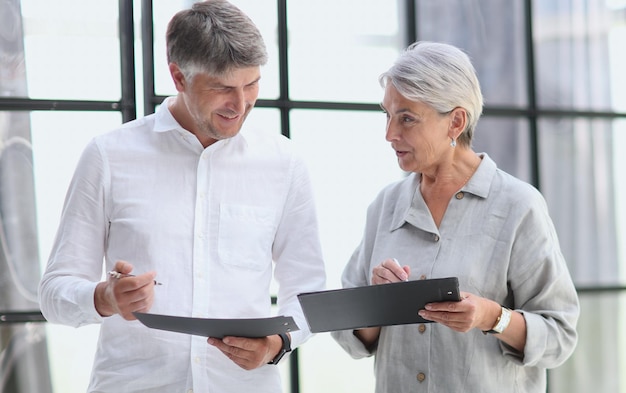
436 238
423 277
422 328
459 195
421 377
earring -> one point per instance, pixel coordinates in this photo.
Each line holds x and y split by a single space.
453 143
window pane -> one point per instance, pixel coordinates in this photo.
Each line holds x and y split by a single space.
599 361
579 50
337 49
326 367
262 119
492 33
577 172
19 256
350 162
619 181
262 12
507 142
72 49
58 139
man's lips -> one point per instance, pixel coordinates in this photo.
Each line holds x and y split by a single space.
229 116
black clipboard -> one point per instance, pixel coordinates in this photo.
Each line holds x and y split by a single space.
219 328
375 305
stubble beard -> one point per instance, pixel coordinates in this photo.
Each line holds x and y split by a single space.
208 128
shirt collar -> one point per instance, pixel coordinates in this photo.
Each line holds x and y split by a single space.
405 211
164 121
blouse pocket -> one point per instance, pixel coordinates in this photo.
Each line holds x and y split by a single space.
245 237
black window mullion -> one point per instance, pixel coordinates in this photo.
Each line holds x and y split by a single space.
128 105
147 40
410 13
532 95
283 68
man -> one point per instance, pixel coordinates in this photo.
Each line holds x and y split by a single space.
183 194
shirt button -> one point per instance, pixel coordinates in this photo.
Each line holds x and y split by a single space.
422 328
421 377
459 195
190 391
436 238
197 361
423 277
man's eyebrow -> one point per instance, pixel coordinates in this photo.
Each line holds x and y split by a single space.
221 85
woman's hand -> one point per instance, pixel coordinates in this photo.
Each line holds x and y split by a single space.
477 312
390 271
459 316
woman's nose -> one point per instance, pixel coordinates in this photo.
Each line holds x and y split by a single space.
390 133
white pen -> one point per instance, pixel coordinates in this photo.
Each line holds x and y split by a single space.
115 274
398 263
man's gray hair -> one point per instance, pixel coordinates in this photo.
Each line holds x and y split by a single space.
213 37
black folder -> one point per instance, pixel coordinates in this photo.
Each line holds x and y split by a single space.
219 328
375 305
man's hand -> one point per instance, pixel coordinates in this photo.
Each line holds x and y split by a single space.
126 294
248 353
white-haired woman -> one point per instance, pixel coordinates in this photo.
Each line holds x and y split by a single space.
457 214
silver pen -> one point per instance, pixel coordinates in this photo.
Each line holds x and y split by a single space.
115 274
398 263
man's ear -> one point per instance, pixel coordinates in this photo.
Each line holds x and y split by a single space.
458 121
178 77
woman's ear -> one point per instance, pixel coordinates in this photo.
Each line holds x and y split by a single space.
458 122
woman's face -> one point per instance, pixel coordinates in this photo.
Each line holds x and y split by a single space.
417 132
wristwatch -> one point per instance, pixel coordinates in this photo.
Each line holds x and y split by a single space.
286 348
502 322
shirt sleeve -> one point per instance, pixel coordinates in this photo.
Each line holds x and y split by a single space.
542 290
297 250
66 290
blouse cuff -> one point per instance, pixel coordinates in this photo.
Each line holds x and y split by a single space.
351 344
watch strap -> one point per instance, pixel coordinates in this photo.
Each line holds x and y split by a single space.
283 350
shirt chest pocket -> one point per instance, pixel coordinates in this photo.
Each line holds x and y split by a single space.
245 237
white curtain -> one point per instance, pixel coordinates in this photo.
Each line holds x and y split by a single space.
23 350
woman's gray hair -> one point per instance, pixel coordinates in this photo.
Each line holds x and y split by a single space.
213 37
441 76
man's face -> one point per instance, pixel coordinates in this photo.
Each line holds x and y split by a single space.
218 105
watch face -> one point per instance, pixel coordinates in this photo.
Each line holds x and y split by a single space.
504 320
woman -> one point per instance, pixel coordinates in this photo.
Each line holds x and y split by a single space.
457 214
